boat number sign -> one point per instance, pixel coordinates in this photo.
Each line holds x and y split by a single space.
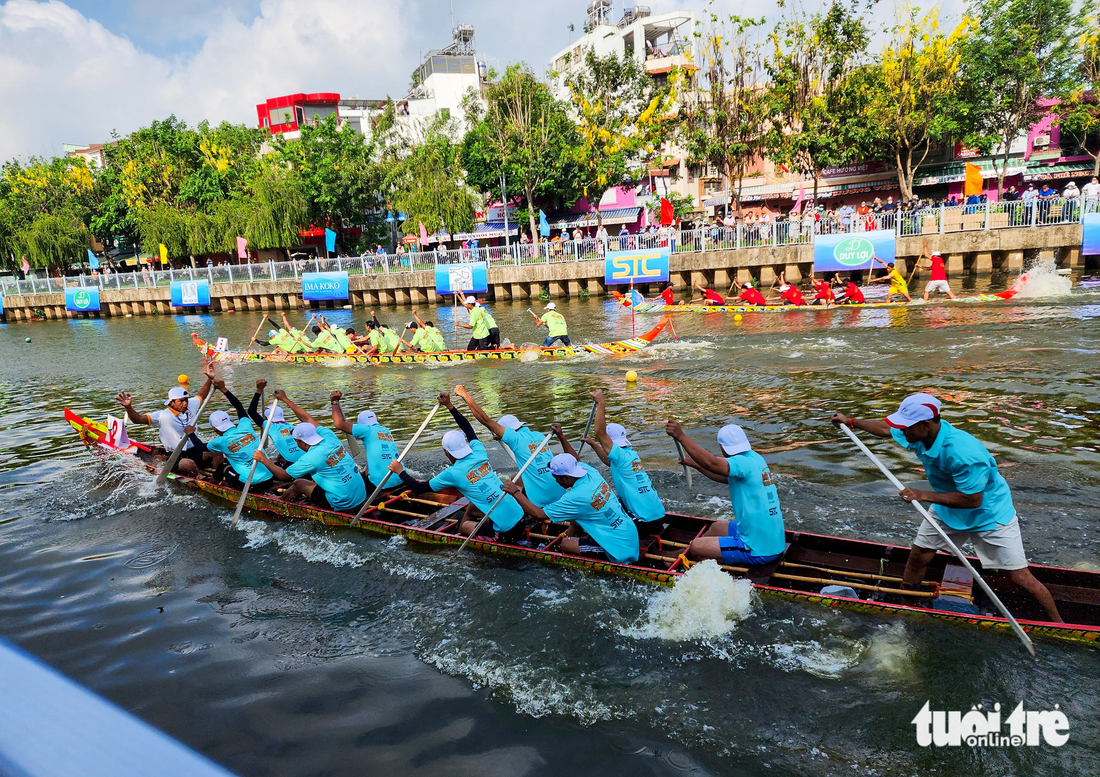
190 293
324 285
853 250
643 266
471 277
81 300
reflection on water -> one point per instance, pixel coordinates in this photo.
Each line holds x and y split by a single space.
285 648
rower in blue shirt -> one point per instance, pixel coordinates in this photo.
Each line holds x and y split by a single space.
336 483
756 535
378 442
472 475
632 482
521 441
234 445
971 498
280 433
597 523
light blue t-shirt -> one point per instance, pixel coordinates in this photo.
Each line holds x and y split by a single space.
238 445
538 483
475 479
333 469
755 501
957 461
281 433
380 448
633 484
592 504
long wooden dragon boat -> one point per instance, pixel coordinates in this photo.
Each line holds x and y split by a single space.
819 569
533 353
658 306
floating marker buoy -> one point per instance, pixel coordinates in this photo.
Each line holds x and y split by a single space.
27 340
631 376
183 380
737 318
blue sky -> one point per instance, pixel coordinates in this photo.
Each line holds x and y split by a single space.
71 71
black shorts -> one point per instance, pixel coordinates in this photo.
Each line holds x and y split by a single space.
318 498
194 453
229 476
492 342
650 528
513 536
589 547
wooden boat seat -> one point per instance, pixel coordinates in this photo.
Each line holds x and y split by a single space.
760 574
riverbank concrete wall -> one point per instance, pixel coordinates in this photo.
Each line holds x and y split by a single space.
972 252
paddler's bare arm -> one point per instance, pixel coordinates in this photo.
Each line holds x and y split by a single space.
419 321
480 415
208 373
599 425
601 452
955 499
563 440
706 461
338 419
303 416
125 400
276 470
877 427
528 506
690 462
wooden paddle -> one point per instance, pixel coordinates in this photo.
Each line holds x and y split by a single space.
380 486
680 453
943 536
168 465
400 339
256 333
588 427
484 518
302 333
916 264
252 472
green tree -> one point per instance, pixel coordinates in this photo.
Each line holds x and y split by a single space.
725 113
914 97
816 109
1021 52
526 134
1079 112
427 183
622 116
45 207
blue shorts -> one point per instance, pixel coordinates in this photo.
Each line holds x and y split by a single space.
550 340
735 551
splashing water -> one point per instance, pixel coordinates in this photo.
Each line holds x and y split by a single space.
1042 280
704 603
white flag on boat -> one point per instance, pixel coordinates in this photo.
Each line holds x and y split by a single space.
116 433
222 344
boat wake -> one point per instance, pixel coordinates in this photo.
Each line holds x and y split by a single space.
1042 281
704 604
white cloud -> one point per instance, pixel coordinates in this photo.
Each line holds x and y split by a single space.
66 78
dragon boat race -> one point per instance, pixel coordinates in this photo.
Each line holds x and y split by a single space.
668 392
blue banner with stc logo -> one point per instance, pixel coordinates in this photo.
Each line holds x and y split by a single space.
1090 234
853 250
190 293
469 277
648 265
322 286
81 300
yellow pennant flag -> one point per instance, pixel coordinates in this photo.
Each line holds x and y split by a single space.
974 182
163 253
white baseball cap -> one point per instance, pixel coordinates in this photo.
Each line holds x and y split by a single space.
937 253
368 418
471 300
733 440
271 333
221 421
174 393
511 422
454 442
550 306
565 465
783 288
307 433
617 433
914 409
275 414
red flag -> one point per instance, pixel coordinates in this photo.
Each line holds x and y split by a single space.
26 267
667 212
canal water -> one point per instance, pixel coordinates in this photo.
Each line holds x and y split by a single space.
289 649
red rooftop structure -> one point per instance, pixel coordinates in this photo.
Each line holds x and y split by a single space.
289 113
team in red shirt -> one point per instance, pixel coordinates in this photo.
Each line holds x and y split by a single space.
847 293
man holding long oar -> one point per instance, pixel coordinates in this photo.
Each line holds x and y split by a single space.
471 473
972 499
237 442
378 442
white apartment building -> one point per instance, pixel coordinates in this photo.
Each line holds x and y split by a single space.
443 80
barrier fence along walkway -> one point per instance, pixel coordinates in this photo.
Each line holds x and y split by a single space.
926 221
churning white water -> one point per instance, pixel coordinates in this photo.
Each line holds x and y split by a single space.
705 603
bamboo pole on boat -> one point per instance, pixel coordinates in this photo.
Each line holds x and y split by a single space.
680 453
516 477
168 465
252 472
1024 638
256 334
380 486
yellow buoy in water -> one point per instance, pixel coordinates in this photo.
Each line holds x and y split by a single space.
737 318
631 376
183 380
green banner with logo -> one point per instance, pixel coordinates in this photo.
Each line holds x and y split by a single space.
853 250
